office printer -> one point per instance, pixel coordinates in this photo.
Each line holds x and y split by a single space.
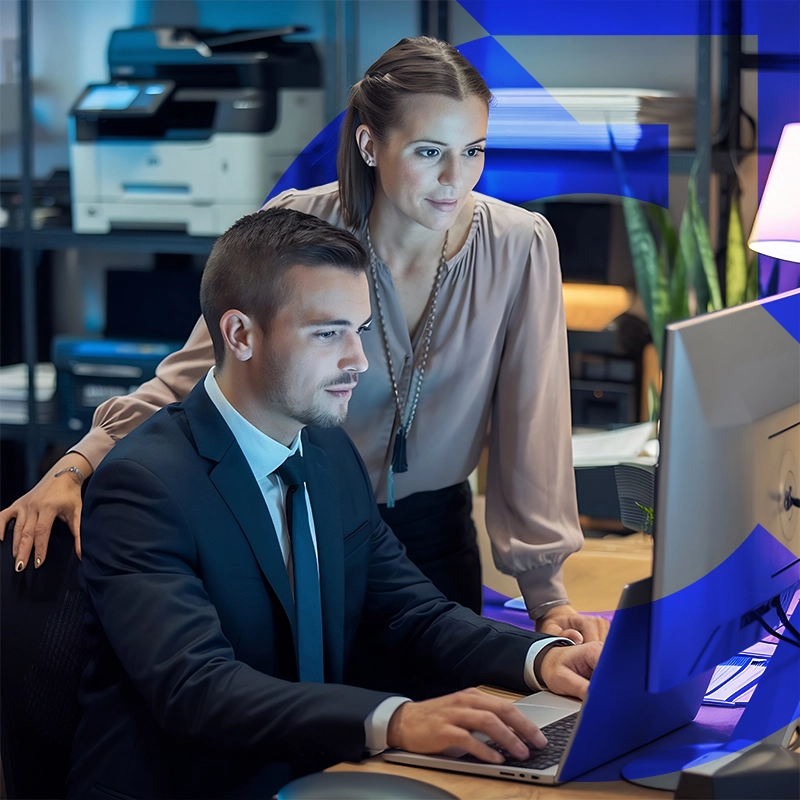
193 130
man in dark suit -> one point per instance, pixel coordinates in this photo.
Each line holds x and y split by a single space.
224 617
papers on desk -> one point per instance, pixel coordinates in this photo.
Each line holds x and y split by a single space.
634 444
14 393
734 682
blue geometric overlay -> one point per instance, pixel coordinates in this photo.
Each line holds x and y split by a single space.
316 165
595 17
758 570
785 309
749 575
515 171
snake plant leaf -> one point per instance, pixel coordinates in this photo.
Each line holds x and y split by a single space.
736 259
709 265
661 302
644 255
663 222
653 402
751 290
690 257
678 296
695 277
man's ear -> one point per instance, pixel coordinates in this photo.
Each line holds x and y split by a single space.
366 144
238 333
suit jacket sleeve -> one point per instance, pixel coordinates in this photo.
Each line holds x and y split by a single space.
140 568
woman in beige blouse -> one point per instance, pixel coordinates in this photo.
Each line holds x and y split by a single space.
468 341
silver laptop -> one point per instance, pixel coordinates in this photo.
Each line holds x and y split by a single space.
617 716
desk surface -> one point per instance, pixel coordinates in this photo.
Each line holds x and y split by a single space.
471 787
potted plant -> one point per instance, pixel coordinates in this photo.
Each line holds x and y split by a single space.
676 276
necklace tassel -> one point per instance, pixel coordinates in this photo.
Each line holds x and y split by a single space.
408 408
399 460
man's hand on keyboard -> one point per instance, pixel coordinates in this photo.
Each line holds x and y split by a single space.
433 725
566 670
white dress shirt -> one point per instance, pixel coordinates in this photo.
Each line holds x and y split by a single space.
264 455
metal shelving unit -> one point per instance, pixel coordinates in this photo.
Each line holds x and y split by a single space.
30 242
714 150
127 241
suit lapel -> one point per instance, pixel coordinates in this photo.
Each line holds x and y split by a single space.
327 524
234 480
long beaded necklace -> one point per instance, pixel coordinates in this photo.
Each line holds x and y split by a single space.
404 411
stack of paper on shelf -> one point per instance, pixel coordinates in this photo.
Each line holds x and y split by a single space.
579 118
14 393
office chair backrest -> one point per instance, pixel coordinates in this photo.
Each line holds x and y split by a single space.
42 657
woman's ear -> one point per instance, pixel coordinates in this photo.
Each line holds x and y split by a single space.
366 145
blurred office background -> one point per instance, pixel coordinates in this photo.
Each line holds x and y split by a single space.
62 287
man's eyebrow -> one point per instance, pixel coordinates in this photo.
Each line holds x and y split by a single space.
445 144
329 323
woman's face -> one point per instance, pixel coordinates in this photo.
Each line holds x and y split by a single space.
429 164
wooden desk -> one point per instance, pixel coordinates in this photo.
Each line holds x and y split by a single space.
471 787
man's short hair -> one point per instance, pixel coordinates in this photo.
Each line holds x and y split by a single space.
248 264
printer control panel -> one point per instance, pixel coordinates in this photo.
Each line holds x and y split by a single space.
123 98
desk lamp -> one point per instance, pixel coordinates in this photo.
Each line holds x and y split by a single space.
776 231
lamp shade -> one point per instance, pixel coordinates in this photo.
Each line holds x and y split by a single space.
776 231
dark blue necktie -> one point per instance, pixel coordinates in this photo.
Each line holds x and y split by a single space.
306 572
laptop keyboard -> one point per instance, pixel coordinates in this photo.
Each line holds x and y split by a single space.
557 734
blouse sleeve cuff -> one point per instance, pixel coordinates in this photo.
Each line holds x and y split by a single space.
542 589
94 447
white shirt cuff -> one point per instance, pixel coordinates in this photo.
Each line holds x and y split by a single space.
377 724
533 651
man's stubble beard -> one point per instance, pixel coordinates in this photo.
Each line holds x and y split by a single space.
315 415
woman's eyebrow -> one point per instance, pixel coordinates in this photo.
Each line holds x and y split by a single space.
445 144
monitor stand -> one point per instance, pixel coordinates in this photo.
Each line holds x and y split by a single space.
765 721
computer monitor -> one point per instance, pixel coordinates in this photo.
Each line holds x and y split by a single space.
727 521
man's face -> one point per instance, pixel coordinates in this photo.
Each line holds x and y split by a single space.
311 354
